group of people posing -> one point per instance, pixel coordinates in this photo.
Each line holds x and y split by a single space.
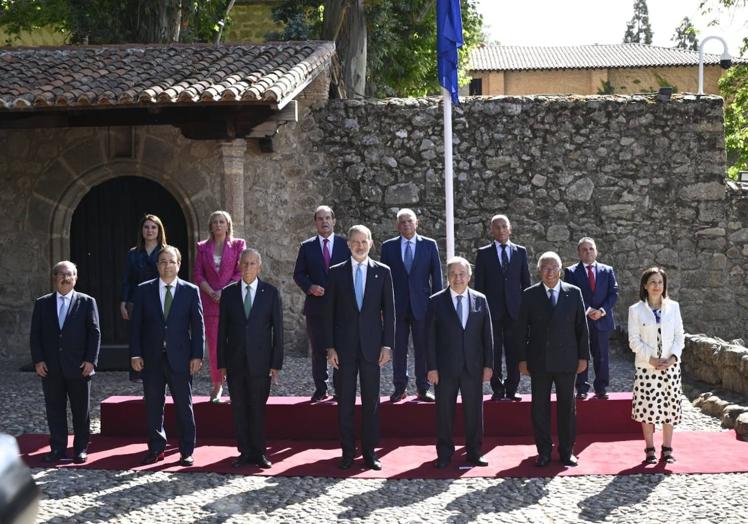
360 314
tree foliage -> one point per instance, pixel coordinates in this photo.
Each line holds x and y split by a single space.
734 88
638 29
401 43
119 21
715 7
685 36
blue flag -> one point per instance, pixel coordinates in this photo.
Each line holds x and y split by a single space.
448 39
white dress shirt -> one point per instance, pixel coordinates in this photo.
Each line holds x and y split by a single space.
330 242
162 290
465 302
508 250
404 244
252 288
556 290
68 301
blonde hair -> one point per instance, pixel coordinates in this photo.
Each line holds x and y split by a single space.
227 217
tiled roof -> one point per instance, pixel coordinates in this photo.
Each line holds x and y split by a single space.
522 58
157 75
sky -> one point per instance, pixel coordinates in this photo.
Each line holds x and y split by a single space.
575 22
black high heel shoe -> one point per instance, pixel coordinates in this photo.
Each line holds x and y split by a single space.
651 457
669 458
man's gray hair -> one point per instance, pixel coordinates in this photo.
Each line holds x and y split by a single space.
586 240
549 255
250 251
459 261
406 211
358 228
501 217
57 267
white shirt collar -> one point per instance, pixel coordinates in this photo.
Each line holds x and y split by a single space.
403 240
331 238
69 296
454 294
173 284
498 244
557 288
366 262
252 285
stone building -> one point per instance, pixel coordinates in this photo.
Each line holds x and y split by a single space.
622 69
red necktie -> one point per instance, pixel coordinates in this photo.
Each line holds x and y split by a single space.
325 254
591 277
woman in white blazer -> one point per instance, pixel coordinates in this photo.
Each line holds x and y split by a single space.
656 336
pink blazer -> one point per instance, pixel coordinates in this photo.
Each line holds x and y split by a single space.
205 269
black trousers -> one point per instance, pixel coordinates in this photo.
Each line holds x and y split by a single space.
368 372
471 390
503 350
315 333
156 376
404 326
249 397
540 384
58 390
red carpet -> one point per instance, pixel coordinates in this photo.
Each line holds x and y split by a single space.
289 418
707 452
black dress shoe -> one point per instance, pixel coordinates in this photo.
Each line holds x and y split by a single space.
80 458
319 395
441 463
373 463
54 456
425 395
399 394
241 460
186 460
581 396
497 396
601 396
570 461
514 397
542 461
477 460
263 462
345 463
152 457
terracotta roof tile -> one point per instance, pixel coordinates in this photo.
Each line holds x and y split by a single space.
94 76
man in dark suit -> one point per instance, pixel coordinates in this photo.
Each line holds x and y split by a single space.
501 273
552 347
65 339
166 343
600 292
359 333
460 357
416 275
250 353
313 262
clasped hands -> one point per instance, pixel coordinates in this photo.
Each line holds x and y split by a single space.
385 355
661 364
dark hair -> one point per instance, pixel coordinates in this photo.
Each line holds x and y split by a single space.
324 208
173 250
161 231
645 277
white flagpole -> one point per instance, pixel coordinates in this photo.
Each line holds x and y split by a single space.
448 174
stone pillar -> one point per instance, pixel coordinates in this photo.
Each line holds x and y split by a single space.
232 154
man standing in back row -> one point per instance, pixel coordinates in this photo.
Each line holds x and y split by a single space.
600 292
501 273
416 275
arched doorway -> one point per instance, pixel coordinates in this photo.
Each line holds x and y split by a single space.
104 227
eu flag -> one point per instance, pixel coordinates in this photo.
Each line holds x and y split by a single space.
448 39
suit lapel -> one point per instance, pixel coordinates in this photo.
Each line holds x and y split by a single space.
54 310
417 256
259 299
372 279
471 309
155 293
71 308
449 304
338 248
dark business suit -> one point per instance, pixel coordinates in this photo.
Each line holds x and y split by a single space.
248 348
63 351
604 296
459 355
310 270
412 292
503 288
358 337
166 346
552 340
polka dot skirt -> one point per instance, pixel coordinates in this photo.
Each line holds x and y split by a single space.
657 396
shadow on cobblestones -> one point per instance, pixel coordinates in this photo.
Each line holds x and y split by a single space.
510 495
620 492
391 494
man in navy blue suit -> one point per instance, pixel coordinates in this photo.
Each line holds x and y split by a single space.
65 339
313 262
502 273
359 333
600 292
416 275
166 343
250 353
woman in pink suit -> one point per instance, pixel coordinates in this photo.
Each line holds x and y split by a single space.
216 266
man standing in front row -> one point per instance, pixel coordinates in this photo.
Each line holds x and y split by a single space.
166 343
460 356
501 273
313 262
552 347
64 341
600 292
250 353
359 333
416 275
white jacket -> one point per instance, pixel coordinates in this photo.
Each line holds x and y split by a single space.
643 331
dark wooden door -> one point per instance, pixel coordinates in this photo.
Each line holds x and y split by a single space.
105 226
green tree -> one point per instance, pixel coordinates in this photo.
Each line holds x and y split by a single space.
120 21
733 87
715 9
638 29
402 58
685 35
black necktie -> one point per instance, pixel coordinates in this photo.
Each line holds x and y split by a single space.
504 257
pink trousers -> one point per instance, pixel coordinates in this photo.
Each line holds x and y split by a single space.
211 336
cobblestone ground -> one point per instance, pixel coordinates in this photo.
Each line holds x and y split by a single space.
111 496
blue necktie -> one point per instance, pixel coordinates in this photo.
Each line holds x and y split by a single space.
359 287
553 297
504 257
459 310
408 261
63 311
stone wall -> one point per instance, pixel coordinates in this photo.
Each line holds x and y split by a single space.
717 362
